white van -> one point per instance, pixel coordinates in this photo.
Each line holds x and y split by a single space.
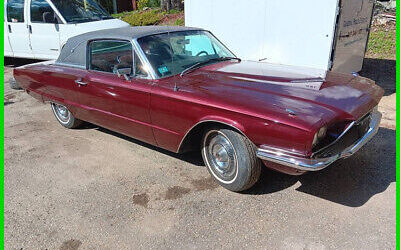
39 28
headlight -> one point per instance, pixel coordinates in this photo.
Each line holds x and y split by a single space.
322 133
319 136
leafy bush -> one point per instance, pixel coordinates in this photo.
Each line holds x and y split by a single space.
154 3
180 22
122 14
143 18
141 4
174 11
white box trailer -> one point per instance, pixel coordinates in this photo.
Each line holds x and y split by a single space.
323 34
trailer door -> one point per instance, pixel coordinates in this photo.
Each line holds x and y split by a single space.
352 35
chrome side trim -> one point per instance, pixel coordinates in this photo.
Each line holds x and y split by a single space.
216 121
309 164
280 151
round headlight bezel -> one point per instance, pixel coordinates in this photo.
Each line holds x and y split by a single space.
322 133
319 136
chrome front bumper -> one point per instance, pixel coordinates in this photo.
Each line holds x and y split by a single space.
315 164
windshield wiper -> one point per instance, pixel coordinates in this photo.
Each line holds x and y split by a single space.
200 64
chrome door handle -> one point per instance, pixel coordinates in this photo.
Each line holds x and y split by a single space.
80 83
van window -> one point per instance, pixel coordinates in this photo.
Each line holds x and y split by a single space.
40 8
15 11
81 11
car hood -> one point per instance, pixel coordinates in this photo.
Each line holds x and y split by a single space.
301 97
101 24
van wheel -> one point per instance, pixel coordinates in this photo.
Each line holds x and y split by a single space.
64 116
231 159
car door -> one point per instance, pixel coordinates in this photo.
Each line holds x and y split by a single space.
18 33
44 29
114 102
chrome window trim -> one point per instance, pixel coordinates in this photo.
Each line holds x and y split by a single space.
89 55
144 59
70 65
134 50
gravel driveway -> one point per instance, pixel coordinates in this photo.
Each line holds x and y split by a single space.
94 189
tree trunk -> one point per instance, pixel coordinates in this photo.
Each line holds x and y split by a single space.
167 5
178 4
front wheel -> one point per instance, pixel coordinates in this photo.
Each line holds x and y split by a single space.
64 116
231 159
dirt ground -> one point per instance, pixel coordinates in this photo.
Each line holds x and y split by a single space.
94 189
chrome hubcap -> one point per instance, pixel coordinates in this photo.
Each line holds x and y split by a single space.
220 156
61 112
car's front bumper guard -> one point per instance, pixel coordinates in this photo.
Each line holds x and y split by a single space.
315 164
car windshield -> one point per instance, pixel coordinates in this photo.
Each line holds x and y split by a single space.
172 53
80 11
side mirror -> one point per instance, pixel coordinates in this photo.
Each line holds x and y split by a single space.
48 17
125 72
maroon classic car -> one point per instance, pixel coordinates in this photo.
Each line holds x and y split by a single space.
181 89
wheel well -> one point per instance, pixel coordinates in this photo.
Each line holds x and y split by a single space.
192 140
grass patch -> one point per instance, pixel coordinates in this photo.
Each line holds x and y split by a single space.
382 42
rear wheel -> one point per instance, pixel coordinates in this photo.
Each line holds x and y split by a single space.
64 116
14 84
231 159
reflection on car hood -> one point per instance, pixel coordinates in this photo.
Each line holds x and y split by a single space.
267 90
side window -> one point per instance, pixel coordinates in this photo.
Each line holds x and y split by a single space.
15 11
109 56
41 12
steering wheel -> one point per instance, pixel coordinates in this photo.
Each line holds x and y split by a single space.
202 52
